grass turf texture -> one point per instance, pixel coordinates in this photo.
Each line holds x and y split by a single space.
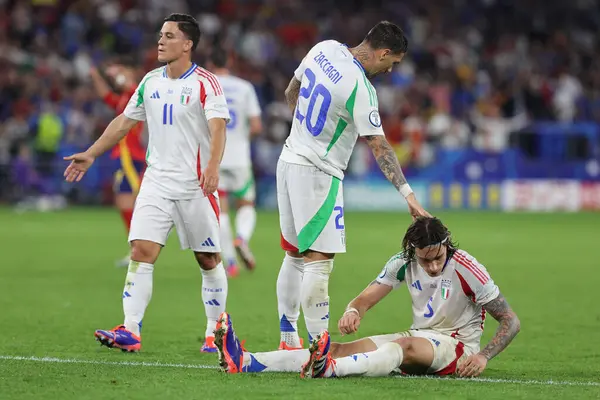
58 284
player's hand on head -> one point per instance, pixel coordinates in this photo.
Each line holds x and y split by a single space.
209 181
80 163
349 323
472 366
415 208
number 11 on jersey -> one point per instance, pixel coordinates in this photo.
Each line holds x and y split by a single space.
313 92
168 114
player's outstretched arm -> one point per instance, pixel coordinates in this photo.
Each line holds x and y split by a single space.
509 326
390 166
292 92
114 132
357 308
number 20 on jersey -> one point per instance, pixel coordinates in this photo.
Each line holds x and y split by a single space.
313 93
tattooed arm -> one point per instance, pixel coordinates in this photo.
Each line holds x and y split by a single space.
387 160
509 326
390 166
292 92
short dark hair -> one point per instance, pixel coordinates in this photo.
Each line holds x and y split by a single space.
219 57
188 25
426 231
386 35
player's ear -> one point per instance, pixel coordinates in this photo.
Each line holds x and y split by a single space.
384 53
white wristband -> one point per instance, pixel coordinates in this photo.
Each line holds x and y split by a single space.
405 190
351 310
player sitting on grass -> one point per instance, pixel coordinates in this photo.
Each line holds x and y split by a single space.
451 293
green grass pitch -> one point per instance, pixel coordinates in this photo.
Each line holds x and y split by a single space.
58 284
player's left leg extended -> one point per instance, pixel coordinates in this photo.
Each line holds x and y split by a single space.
233 358
415 352
150 228
197 226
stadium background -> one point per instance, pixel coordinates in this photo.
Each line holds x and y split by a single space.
495 108
489 110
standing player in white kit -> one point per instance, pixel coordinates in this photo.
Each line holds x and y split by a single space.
237 180
333 103
186 114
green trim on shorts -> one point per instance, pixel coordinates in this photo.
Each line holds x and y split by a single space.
311 231
243 191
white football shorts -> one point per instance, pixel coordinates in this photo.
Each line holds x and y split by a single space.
447 351
311 209
196 221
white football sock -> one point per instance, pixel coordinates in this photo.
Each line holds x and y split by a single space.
214 296
380 362
275 361
245 221
289 282
315 296
227 250
137 294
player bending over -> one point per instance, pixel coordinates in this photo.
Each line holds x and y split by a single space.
130 152
186 113
236 168
451 293
333 103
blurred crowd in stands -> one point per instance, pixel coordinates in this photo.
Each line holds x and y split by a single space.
476 70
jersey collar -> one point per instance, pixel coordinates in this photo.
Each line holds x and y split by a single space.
185 74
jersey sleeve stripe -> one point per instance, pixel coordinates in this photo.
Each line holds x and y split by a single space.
480 275
475 266
202 94
214 83
465 287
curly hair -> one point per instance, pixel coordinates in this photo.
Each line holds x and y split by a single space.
426 231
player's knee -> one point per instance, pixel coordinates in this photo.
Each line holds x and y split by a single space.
408 348
144 251
208 261
337 350
311 256
243 203
294 254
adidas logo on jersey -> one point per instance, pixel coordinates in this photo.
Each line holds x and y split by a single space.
155 95
208 242
417 285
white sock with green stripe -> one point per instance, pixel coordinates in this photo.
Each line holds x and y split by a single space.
315 296
289 283
227 250
245 221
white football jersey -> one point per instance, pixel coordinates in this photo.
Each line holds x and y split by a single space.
336 105
451 303
176 112
243 105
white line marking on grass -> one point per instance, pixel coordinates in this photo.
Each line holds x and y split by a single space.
509 381
54 360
